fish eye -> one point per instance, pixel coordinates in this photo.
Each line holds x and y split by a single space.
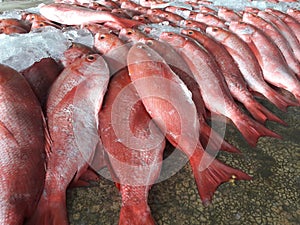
102 36
166 15
154 10
149 42
129 32
90 58
41 24
215 29
170 34
189 22
190 32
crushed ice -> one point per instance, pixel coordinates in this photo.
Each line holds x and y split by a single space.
33 46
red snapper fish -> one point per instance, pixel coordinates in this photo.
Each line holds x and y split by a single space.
276 37
170 105
22 148
73 104
74 15
294 13
133 146
40 76
287 33
228 14
233 77
213 87
249 66
134 149
208 137
275 69
291 22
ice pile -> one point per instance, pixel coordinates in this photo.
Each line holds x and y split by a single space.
21 50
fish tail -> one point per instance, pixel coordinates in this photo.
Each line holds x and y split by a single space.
209 173
261 114
50 212
213 141
280 101
136 215
251 130
135 209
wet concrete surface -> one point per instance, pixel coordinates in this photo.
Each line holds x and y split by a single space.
271 197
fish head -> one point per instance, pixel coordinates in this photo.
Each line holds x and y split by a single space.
89 65
218 33
176 40
105 42
140 18
192 15
76 50
243 30
249 17
191 33
131 35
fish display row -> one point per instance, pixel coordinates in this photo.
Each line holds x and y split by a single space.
157 74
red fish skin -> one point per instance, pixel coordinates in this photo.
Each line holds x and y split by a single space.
295 13
95 28
176 10
74 52
143 64
276 37
287 33
74 15
291 22
23 146
113 49
168 16
129 5
208 19
11 29
233 77
15 22
193 24
218 99
275 69
228 14
152 18
205 9
41 76
109 4
208 137
74 101
125 160
251 70
136 168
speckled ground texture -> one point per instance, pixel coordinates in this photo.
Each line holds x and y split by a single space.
272 197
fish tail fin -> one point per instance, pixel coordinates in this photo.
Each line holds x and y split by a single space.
50 213
135 209
261 114
213 141
279 100
209 173
251 130
136 215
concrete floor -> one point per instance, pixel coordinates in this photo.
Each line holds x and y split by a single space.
272 197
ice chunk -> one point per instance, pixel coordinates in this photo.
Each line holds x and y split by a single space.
20 51
82 36
157 29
